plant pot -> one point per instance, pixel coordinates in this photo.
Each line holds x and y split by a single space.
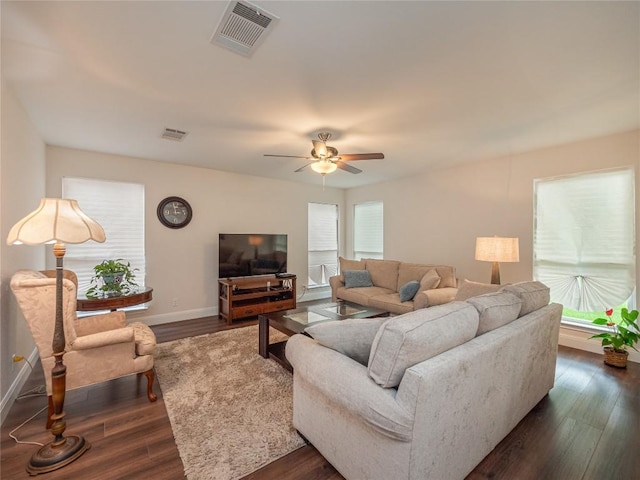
615 358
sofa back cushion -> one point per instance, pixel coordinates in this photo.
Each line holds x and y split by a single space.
408 339
495 310
534 295
346 264
384 273
468 289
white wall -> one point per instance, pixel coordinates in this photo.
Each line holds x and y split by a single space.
436 217
182 264
22 184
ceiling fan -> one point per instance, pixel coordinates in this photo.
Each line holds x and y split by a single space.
327 160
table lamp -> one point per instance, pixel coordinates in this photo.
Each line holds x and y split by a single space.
497 249
57 221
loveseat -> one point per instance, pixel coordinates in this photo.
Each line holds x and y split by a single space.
397 287
428 394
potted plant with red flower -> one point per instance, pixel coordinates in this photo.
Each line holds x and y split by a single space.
623 333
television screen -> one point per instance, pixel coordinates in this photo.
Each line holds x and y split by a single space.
243 254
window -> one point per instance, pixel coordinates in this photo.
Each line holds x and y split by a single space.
368 230
119 208
584 240
322 243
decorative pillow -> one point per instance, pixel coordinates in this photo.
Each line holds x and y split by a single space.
409 290
430 280
408 339
346 264
495 309
352 337
470 289
534 295
357 278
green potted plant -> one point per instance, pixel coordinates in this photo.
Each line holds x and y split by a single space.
112 278
623 333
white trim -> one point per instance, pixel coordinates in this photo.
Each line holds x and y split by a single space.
172 317
16 386
575 337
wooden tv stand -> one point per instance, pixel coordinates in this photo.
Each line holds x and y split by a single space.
250 296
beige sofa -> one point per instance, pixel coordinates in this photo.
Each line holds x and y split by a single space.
428 394
388 277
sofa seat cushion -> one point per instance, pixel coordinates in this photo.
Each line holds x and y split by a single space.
352 337
384 273
534 295
468 289
495 310
391 303
408 339
361 295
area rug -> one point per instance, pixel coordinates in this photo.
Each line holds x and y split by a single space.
230 409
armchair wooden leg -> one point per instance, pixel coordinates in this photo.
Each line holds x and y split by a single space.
50 412
150 395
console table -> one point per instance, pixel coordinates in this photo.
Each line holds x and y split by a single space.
251 296
85 304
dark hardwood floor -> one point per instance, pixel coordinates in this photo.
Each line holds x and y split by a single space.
588 428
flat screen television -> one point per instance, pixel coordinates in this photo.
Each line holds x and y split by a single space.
244 254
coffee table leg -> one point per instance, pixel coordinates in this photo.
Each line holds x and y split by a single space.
263 336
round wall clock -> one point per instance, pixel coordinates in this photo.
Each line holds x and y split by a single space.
174 212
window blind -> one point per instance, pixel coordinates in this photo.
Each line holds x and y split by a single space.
368 230
322 243
584 239
119 208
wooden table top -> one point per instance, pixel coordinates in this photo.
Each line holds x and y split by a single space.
85 304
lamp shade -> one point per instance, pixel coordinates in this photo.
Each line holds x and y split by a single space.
324 166
497 249
56 220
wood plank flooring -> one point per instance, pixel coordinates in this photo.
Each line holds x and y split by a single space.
587 428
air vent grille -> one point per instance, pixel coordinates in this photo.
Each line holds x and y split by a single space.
243 27
173 134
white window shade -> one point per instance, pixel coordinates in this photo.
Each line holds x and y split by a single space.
119 208
584 239
322 243
368 230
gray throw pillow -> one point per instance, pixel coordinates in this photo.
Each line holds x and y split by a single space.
357 278
409 290
352 337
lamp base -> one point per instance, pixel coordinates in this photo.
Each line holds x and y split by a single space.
495 274
51 457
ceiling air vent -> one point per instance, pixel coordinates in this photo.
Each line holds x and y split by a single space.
173 134
243 28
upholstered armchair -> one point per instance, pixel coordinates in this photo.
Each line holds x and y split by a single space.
98 348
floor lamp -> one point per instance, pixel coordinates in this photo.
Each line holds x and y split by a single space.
497 249
57 221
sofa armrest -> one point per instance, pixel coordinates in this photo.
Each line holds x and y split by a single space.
335 282
96 340
353 389
435 296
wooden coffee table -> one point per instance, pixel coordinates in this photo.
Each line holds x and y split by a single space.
295 321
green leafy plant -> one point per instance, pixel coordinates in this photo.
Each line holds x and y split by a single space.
623 332
112 278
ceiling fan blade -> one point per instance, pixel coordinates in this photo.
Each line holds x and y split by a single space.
286 156
320 148
303 167
347 168
349 157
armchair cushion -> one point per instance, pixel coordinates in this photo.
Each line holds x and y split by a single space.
408 339
100 323
352 337
96 340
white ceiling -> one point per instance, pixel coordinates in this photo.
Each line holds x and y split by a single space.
427 83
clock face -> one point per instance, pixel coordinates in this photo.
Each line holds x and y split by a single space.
174 212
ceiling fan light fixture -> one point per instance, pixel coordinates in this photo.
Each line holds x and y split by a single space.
323 167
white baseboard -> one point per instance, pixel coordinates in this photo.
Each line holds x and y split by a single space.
15 387
576 338
143 316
